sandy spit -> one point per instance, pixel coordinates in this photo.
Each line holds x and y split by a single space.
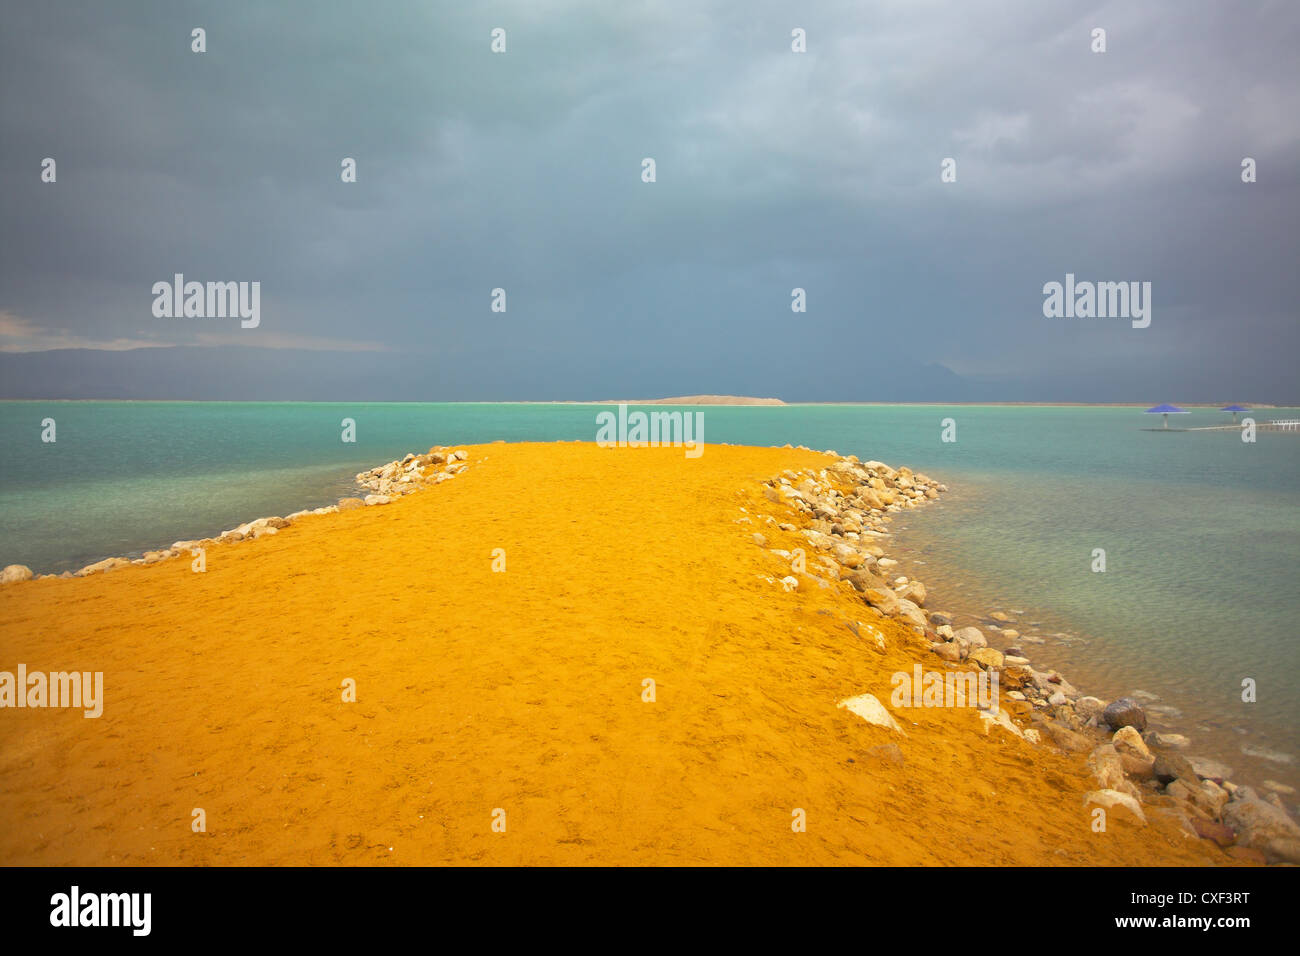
519 691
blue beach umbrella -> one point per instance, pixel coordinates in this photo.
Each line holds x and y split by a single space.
1234 409
1166 410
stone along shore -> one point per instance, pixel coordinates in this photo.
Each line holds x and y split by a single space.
387 482
842 511
631 688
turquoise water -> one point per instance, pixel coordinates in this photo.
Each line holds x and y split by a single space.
1201 531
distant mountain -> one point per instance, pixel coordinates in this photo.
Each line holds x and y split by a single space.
695 400
242 373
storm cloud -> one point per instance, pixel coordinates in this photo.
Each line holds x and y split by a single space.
775 170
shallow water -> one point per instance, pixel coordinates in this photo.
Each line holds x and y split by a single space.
1201 531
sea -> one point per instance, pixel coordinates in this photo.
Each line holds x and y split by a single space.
1195 612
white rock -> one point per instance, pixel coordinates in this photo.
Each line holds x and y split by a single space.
872 711
1128 741
14 573
1109 799
1002 719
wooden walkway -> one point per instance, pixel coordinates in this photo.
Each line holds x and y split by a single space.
1282 425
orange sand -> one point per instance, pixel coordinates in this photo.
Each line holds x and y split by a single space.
518 690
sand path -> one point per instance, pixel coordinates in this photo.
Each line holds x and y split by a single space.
519 690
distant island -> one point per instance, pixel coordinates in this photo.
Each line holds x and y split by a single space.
695 400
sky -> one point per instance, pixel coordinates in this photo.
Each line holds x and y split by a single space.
774 170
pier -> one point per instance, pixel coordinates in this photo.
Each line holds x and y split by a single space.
1280 425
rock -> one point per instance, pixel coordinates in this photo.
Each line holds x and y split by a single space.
1125 712
909 612
1015 676
882 598
377 499
1129 741
1170 767
849 557
250 527
870 499
1220 833
1067 739
1179 817
14 573
914 592
350 504
986 657
946 651
938 619
459 455
1106 768
759 540
1184 794
1138 767
790 583
1207 796
971 637
1278 787
863 580
108 564
1266 828
1001 719
871 634
1208 769
1000 616
1112 800
872 711
1063 685
1247 854
265 530
1166 741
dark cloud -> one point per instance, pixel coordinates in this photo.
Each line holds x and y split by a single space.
775 170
